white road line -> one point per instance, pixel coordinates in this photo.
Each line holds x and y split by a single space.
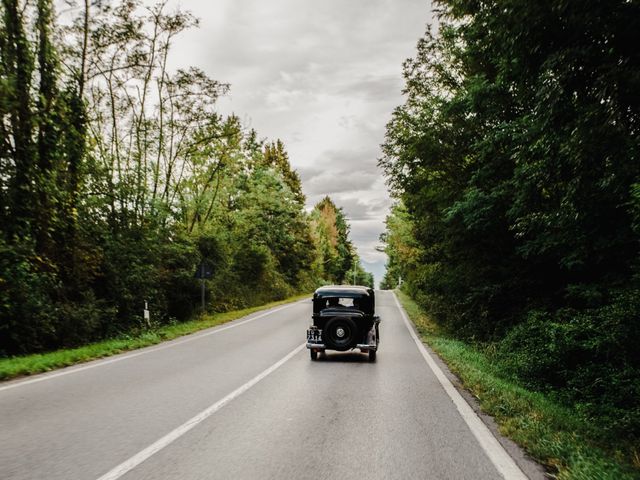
169 438
494 450
126 356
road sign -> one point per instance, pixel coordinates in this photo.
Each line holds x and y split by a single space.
204 270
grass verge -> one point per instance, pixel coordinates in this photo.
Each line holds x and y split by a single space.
31 364
553 434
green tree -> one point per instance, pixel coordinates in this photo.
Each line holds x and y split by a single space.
331 232
516 156
118 177
41 158
403 252
275 156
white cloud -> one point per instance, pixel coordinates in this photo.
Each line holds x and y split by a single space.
322 76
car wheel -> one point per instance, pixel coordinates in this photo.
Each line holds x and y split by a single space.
372 355
313 353
340 333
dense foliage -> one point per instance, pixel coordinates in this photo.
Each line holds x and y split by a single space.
334 260
118 178
515 164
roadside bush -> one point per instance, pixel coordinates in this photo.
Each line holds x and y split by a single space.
588 357
129 277
83 320
250 262
177 265
28 317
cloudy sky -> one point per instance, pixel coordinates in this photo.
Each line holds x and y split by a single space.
324 77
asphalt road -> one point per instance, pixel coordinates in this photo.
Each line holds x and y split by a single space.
244 401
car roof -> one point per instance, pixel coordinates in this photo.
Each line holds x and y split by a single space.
343 291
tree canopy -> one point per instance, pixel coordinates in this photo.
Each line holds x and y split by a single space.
118 178
514 161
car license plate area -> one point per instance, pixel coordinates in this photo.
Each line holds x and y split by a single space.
314 335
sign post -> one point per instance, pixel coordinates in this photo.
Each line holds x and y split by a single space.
204 271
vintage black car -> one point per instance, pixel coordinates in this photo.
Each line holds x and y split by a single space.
344 319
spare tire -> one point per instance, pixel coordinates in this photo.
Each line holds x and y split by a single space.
340 333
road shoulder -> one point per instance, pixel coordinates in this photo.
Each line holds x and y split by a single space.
528 466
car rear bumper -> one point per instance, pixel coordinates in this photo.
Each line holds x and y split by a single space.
361 346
